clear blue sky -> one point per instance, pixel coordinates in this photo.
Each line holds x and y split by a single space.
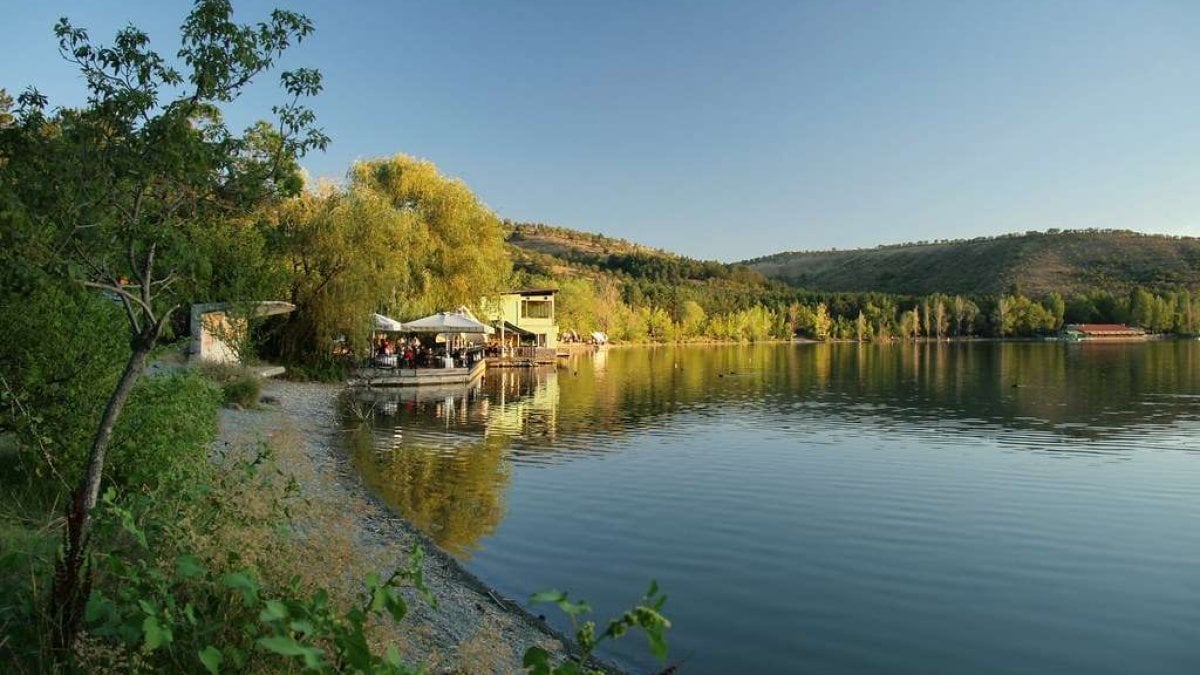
733 129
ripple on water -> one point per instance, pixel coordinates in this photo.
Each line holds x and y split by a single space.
842 509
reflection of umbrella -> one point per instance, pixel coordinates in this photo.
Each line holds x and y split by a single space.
444 322
386 324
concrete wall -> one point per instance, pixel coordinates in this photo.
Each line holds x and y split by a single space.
219 328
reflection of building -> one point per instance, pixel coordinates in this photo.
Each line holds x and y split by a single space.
1102 331
525 318
524 402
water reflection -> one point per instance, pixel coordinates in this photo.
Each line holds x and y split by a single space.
438 454
443 457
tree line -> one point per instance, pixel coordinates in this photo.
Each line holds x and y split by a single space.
640 308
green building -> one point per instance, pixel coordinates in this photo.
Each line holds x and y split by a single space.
524 317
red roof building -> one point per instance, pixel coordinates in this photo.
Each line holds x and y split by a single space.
1103 331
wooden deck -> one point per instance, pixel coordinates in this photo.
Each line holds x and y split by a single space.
524 357
417 377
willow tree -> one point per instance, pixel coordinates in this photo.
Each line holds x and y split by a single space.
117 195
343 252
457 252
400 238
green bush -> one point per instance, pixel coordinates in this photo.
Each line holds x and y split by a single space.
239 384
165 432
242 391
329 370
62 352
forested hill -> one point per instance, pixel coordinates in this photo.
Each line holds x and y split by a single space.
1066 262
560 251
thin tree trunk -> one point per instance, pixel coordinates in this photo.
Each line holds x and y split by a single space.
116 402
72 581
72 575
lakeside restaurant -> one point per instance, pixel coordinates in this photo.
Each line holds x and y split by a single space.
443 348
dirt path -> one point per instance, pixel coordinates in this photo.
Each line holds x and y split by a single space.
473 630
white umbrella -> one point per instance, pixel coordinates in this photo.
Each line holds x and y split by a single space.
470 315
386 324
444 322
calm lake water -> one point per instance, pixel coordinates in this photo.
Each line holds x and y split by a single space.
974 508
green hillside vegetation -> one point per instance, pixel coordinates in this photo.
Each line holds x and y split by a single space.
637 293
1068 262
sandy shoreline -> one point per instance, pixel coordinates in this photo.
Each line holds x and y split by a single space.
474 628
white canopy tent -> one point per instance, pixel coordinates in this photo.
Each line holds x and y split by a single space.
446 322
386 324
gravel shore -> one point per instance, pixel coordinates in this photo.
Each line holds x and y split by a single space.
474 629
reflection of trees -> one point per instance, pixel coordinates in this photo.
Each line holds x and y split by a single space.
453 494
440 457
1092 389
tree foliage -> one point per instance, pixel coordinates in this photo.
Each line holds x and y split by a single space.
118 194
400 239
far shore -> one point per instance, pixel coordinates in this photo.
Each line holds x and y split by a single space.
585 347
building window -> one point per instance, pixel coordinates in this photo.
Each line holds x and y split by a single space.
537 309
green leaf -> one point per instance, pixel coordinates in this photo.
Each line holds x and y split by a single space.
536 661
286 645
155 634
395 604
548 596
211 657
274 611
658 643
98 607
393 656
189 567
240 581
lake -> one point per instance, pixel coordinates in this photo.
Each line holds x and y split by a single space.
830 508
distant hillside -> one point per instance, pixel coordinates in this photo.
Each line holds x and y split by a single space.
570 252
565 242
641 276
1064 261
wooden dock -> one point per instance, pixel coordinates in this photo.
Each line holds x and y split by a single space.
524 357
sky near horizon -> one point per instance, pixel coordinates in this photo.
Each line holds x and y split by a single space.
735 129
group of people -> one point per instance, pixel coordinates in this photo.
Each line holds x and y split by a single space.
407 353
411 353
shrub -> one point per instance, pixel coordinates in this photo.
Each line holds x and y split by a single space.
329 370
59 360
165 432
242 391
239 385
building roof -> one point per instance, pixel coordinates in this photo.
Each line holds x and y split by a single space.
1103 328
532 291
517 330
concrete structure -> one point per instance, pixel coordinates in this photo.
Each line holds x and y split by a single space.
525 318
219 329
1108 332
